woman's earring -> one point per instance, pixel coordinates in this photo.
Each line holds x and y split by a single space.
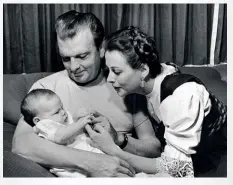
142 84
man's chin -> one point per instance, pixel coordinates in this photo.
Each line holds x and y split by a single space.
81 79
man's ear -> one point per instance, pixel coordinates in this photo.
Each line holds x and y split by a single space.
102 52
145 70
35 120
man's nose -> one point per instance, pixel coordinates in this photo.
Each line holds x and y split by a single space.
74 64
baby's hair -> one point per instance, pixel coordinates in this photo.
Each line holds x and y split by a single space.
28 108
138 47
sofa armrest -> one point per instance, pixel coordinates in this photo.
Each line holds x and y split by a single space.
17 166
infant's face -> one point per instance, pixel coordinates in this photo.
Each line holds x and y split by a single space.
52 109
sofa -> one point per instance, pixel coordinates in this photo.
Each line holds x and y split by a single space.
15 87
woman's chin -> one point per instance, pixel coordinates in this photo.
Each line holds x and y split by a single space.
122 93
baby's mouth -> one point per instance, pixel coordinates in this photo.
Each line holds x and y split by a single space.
66 119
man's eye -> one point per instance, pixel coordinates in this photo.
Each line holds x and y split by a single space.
82 56
65 59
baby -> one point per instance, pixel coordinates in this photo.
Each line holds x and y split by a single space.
43 110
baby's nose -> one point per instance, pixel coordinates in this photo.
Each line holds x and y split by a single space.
63 112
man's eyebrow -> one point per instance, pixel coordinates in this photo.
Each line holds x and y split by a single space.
77 55
62 55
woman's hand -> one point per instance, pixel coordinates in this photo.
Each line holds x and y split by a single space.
101 120
101 139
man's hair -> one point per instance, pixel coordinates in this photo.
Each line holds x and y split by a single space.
68 25
28 108
137 47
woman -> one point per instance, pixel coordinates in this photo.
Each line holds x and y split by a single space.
180 103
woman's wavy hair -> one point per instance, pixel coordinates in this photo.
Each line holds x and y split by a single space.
68 25
138 47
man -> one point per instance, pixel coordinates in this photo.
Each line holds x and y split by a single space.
82 84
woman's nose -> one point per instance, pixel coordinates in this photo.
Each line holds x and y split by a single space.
111 78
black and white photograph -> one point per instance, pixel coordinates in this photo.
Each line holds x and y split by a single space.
115 90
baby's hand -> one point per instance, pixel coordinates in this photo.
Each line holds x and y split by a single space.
85 120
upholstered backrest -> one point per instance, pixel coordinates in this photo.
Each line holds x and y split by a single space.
211 78
15 87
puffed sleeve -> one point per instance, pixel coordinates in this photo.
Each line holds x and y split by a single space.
182 114
48 128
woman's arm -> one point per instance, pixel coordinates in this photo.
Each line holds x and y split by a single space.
29 145
147 144
144 131
163 164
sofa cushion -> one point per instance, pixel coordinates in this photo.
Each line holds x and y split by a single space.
17 166
15 88
211 78
222 69
8 132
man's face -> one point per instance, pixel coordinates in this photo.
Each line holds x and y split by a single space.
80 56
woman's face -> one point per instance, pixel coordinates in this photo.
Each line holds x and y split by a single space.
122 76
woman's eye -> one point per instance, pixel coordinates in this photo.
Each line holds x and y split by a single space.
117 72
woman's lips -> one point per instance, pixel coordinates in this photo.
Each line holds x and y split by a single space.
117 88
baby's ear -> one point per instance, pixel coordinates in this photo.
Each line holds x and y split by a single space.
36 120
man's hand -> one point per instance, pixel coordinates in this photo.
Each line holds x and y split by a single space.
109 166
101 120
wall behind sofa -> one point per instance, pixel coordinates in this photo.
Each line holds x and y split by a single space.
182 32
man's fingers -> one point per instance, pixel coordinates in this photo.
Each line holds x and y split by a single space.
126 171
122 175
126 165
